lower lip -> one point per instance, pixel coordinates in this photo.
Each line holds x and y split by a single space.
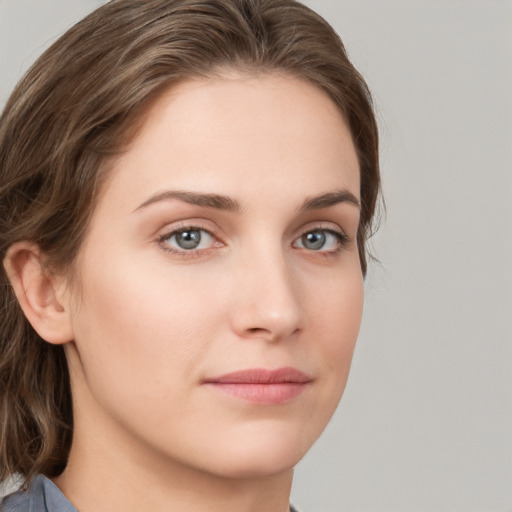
270 394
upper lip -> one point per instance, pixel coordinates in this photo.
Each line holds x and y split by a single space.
262 376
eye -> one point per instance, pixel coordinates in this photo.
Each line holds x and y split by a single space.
321 240
187 239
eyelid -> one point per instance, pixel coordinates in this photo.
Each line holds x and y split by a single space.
322 226
189 223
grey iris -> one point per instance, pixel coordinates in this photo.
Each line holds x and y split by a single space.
314 240
188 239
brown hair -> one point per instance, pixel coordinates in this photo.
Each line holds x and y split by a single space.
78 106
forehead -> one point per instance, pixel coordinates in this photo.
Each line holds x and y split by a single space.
233 134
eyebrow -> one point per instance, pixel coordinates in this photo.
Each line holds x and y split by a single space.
330 199
216 201
220 202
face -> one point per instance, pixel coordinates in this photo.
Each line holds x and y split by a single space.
220 285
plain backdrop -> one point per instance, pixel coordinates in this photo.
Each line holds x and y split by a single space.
426 421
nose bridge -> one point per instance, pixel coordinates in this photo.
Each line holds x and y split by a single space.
268 303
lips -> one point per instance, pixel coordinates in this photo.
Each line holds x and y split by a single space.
262 386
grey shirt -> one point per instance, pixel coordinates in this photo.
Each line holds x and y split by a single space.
42 496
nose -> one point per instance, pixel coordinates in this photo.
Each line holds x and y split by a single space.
267 302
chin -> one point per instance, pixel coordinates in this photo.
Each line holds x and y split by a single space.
259 451
250 466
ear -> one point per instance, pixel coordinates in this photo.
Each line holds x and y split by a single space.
41 294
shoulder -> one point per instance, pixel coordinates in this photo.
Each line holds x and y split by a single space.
42 496
18 500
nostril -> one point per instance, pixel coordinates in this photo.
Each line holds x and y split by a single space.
257 330
269 334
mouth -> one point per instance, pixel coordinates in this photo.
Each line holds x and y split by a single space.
262 386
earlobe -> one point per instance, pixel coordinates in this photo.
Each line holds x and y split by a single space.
40 293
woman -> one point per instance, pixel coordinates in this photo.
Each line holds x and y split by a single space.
187 188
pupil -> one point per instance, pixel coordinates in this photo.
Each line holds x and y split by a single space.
188 239
314 241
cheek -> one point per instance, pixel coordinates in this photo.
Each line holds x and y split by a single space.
138 329
345 316
335 319
336 306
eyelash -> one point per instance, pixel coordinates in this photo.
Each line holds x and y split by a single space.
342 241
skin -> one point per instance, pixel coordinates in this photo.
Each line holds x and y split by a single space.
152 320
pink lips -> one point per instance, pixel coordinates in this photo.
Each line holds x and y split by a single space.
262 386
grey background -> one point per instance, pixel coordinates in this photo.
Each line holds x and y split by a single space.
426 421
